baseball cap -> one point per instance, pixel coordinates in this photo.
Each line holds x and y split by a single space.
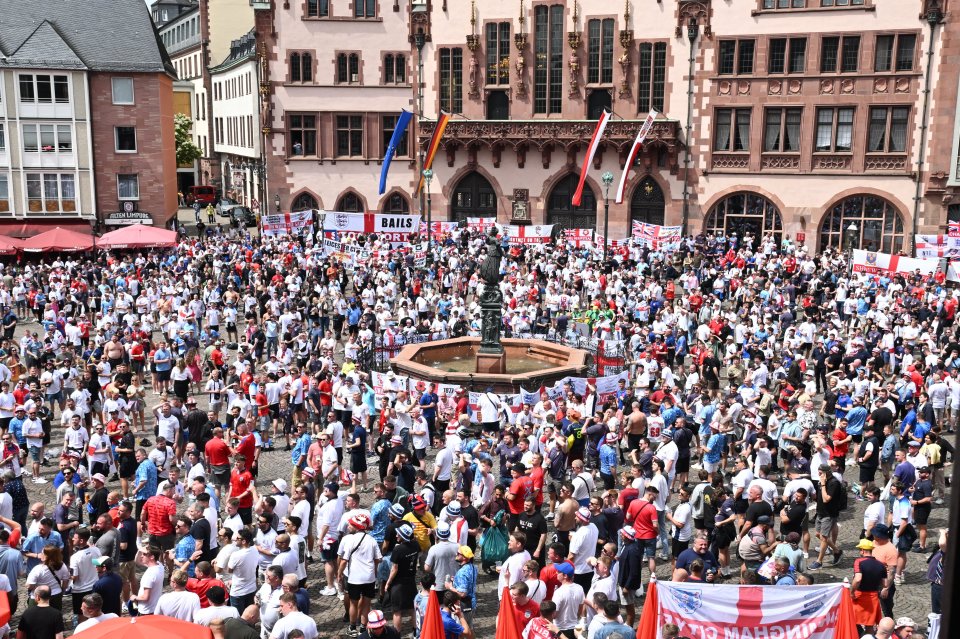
903 622
865 544
465 551
880 531
360 521
332 486
99 561
763 519
565 567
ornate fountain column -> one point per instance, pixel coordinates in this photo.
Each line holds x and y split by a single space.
490 356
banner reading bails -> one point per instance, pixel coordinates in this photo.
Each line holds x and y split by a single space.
277 224
395 228
656 236
710 611
537 234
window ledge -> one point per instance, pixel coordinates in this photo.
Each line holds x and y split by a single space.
341 19
345 86
758 12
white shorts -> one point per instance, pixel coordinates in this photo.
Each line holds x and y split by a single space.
710 468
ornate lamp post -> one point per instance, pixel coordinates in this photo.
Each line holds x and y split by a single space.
607 179
428 177
693 31
276 202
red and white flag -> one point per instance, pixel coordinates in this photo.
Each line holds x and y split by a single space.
537 234
631 158
742 612
878 263
591 151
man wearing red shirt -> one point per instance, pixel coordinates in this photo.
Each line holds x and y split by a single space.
203 582
643 515
556 554
463 402
524 608
325 388
536 476
218 456
159 513
520 487
241 487
247 447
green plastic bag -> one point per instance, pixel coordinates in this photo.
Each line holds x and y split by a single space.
493 546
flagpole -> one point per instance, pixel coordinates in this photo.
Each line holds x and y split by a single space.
419 40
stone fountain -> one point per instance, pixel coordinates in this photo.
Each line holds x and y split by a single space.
479 363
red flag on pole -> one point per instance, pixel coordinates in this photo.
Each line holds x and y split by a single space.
432 627
507 623
591 151
650 617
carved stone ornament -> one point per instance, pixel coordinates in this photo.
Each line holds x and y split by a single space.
902 85
774 87
743 87
574 39
847 86
697 9
573 64
826 87
723 87
794 87
881 85
520 65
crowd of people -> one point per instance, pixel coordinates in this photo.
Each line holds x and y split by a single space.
770 390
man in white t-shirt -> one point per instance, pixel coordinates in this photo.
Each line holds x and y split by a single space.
242 565
151 583
92 610
512 569
292 619
569 598
179 603
583 546
218 609
359 555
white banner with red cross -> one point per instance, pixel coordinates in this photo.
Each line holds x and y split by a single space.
937 246
885 263
277 224
709 611
579 238
656 236
536 234
396 228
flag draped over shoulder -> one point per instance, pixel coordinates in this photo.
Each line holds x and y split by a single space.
433 147
641 136
591 151
402 122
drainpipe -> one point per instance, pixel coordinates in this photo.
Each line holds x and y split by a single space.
933 17
693 30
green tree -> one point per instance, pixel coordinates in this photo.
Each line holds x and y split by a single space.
187 151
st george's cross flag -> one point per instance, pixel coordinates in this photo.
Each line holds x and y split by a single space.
591 151
632 157
749 612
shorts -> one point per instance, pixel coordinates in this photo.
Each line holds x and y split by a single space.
331 553
221 475
420 454
78 600
358 463
867 473
683 465
649 547
628 597
825 525
401 597
678 547
711 467
163 376
921 514
128 570
274 410
35 454
356 591
164 542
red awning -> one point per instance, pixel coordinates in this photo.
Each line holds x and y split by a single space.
29 228
59 239
9 245
138 236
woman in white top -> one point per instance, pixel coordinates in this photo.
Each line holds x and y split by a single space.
181 379
53 572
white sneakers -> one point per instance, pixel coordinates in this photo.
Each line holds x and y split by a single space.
40 480
329 591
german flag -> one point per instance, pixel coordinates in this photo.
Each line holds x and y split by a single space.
432 149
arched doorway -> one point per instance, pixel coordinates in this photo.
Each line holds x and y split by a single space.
562 212
473 197
647 203
396 203
304 202
598 101
350 202
878 223
741 213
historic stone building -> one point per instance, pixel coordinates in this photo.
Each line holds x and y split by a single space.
810 119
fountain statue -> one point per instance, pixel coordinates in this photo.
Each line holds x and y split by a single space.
490 356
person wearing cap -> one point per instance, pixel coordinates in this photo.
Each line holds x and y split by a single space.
359 555
583 545
464 582
399 585
869 578
569 598
756 545
377 627
441 558
921 498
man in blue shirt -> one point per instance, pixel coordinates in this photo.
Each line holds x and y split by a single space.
298 456
145 480
464 582
34 544
856 418
428 407
611 610
455 625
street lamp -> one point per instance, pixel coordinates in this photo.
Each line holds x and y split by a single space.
693 31
428 177
607 179
276 202
419 40
851 233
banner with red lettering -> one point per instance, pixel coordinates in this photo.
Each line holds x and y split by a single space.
396 228
480 223
877 263
748 612
436 228
655 236
276 224
579 238
937 246
953 229
537 234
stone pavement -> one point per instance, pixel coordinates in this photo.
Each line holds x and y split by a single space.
912 598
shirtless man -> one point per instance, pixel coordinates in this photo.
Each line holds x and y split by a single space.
636 427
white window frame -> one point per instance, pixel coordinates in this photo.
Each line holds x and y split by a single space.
43 191
3 137
113 91
57 127
116 139
53 88
5 191
128 198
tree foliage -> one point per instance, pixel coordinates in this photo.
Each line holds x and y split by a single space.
187 151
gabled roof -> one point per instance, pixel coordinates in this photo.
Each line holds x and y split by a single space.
99 35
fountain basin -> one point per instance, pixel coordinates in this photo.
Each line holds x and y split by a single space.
530 363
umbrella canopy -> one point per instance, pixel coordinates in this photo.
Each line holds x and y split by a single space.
138 236
9 245
58 239
147 627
